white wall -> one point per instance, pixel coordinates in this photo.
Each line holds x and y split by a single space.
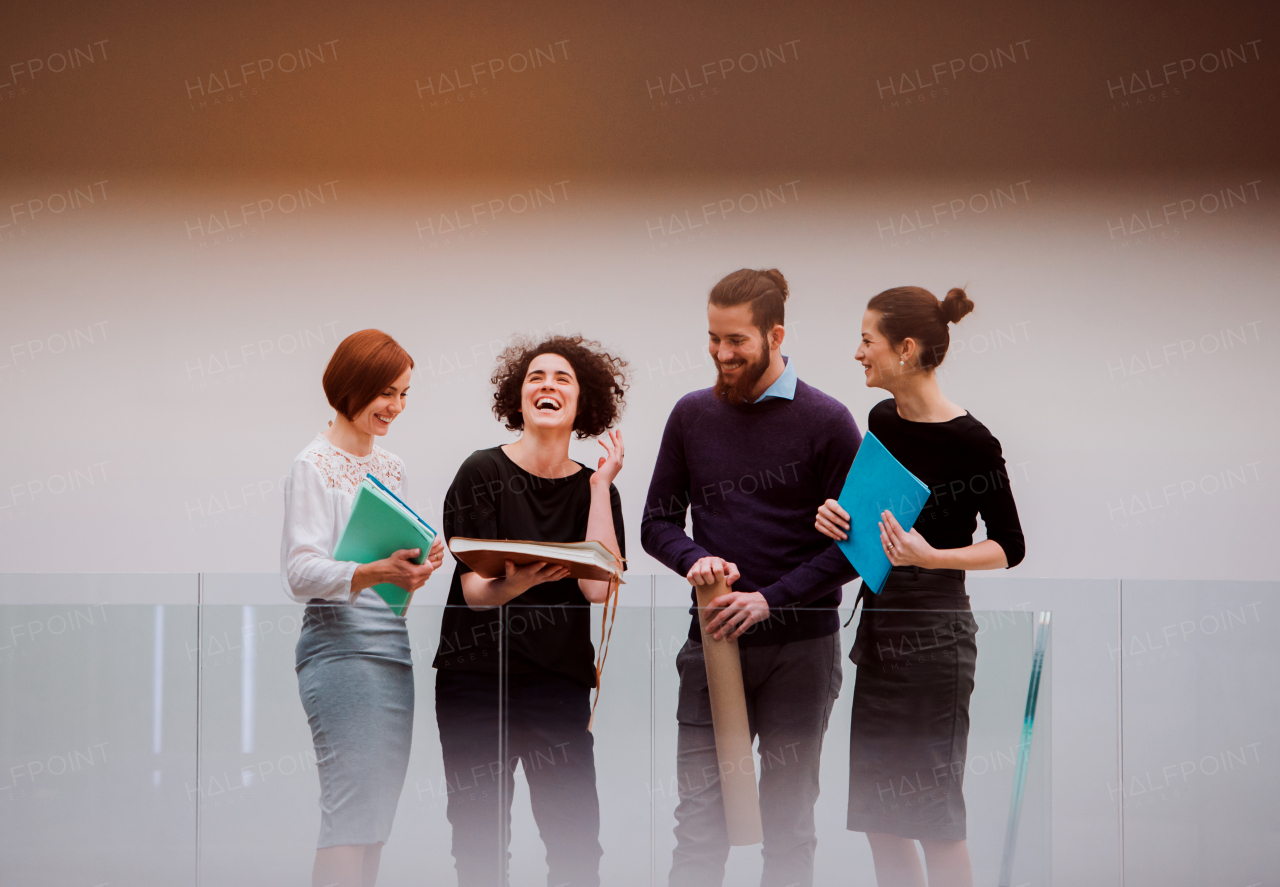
140 449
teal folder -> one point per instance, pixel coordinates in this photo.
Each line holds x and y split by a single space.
877 482
381 525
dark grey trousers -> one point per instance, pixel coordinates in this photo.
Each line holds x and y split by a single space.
790 689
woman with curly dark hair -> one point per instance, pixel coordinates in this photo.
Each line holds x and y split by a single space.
530 489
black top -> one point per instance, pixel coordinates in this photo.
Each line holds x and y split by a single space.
549 626
962 464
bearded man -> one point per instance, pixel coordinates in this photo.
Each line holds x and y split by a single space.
753 458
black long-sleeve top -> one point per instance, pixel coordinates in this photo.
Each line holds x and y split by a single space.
548 628
963 466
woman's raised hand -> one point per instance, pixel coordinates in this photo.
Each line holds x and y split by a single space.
611 462
832 520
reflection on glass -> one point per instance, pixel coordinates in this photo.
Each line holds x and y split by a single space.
157 691
248 679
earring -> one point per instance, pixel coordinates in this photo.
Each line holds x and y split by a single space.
901 362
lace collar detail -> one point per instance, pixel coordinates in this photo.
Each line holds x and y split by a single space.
343 471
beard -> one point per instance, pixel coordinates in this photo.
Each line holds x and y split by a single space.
739 392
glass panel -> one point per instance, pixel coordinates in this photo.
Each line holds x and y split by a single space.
622 730
999 708
257 786
419 851
546 717
1005 645
97 729
671 630
1201 725
260 813
1086 707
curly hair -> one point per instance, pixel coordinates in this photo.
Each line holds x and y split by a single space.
602 382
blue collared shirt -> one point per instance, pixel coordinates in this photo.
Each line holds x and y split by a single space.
785 385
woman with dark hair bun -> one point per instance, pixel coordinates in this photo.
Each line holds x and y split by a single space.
355 672
539 698
915 647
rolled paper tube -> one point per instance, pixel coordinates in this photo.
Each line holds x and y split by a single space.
732 732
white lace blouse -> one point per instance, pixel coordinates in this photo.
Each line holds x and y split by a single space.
317 503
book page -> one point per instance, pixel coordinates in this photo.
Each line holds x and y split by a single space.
579 552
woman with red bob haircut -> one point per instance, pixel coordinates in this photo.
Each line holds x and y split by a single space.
355 673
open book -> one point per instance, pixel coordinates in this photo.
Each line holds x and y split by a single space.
585 560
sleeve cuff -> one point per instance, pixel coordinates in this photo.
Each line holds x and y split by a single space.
686 563
1012 555
775 596
349 574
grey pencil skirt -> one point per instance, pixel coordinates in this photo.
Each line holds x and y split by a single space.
355 677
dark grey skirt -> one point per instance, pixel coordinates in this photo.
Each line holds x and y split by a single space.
916 652
355 677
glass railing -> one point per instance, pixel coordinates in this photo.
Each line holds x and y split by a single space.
98 714
152 732
1201 732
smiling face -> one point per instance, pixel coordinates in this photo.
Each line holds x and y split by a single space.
376 418
878 357
549 394
740 351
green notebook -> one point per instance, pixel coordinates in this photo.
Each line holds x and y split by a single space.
380 525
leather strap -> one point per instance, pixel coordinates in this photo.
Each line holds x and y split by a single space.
608 617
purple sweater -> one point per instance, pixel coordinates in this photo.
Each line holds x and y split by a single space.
754 477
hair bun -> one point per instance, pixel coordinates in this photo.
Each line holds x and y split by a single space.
776 276
956 305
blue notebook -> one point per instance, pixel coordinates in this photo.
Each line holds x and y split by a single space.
877 482
383 487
